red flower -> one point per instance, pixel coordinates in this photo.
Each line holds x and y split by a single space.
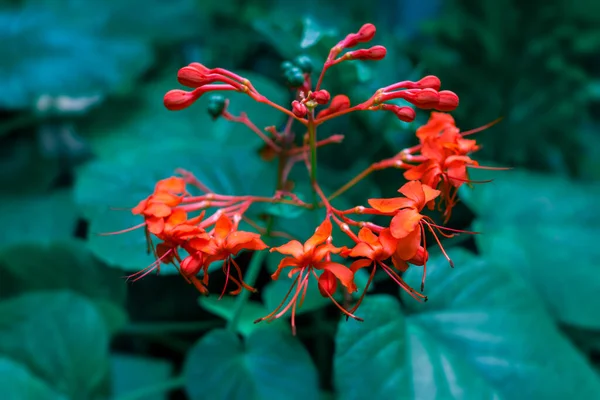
225 243
303 261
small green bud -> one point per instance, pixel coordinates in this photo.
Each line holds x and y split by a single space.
216 105
294 77
305 63
286 65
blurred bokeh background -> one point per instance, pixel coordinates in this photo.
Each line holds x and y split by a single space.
84 135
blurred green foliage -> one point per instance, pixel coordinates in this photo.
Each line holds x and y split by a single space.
84 135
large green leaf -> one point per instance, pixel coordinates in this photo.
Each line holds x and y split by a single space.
18 383
38 219
269 364
543 228
131 373
63 265
45 56
61 338
481 335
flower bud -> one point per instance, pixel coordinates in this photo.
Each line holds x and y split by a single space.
340 102
429 82
191 265
190 77
216 105
405 114
176 100
305 63
201 68
448 101
321 96
286 65
421 257
327 283
299 109
294 77
374 53
365 34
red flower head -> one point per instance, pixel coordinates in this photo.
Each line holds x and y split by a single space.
303 261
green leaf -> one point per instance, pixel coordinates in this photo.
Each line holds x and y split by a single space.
131 373
544 229
45 56
269 364
19 158
63 265
18 383
33 218
60 336
481 335
225 307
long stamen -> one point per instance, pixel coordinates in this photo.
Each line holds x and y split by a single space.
439 244
240 277
269 316
362 296
226 269
342 309
140 274
400 282
133 228
481 128
424 259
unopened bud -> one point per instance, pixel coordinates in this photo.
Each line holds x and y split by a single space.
191 265
448 101
364 34
305 63
421 257
340 102
321 96
299 109
374 53
176 100
327 284
405 114
216 105
429 82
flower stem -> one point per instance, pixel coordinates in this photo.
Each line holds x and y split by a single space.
161 387
312 144
253 270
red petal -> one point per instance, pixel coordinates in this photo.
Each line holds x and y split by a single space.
285 263
321 235
388 244
391 205
405 222
362 249
414 191
409 245
292 248
223 227
341 272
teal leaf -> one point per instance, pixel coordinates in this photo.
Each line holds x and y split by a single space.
17 382
60 337
482 334
269 364
131 373
38 219
47 57
19 158
543 228
225 309
63 265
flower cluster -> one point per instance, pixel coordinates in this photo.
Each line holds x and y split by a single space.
434 169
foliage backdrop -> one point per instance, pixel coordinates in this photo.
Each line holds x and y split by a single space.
83 132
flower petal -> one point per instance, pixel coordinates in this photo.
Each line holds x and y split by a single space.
284 263
414 191
430 193
341 272
388 244
358 264
362 249
367 236
321 235
239 240
292 248
173 184
405 222
390 205
409 245
223 227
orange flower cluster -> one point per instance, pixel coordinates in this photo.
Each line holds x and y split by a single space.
435 169
172 227
443 158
